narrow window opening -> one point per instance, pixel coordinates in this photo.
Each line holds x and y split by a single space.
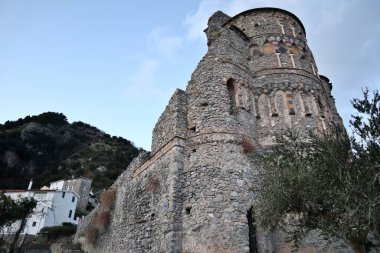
256 109
306 105
293 31
252 231
282 28
70 213
232 95
73 199
292 59
34 224
278 60
290 103
188 210
272 102
63 194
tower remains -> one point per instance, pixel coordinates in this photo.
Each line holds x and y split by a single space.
193 192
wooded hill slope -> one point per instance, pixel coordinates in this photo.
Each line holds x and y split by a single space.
47 148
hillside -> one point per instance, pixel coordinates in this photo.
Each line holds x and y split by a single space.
47 148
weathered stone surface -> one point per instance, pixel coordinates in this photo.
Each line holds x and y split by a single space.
194 191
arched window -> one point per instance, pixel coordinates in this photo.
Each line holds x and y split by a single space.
232 95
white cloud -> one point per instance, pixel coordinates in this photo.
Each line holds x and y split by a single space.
166 45
141 83
197 22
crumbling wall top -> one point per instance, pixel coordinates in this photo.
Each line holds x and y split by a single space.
172 122
251 11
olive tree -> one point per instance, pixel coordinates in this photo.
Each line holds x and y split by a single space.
327 181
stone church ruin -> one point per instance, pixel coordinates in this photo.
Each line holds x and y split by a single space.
193 192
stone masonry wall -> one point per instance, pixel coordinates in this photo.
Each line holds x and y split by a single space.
146 216
172 121
194 193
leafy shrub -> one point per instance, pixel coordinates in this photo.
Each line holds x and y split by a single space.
55 232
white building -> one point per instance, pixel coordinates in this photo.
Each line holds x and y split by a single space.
81 186
53 208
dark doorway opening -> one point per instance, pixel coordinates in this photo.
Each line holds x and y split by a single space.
252 231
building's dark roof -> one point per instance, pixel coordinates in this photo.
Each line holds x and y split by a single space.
266 9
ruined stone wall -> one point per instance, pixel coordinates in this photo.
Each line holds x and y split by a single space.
195 191
217 194
146 215
172 121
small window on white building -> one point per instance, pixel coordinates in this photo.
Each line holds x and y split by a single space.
70 213
34 224
63 194
73 199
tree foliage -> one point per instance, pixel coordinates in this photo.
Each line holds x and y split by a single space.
326 181
12 210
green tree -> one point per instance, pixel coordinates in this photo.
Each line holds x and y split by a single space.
327 181
14 210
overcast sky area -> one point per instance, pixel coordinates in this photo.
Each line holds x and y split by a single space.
115 63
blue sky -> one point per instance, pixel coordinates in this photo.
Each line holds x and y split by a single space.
115 63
